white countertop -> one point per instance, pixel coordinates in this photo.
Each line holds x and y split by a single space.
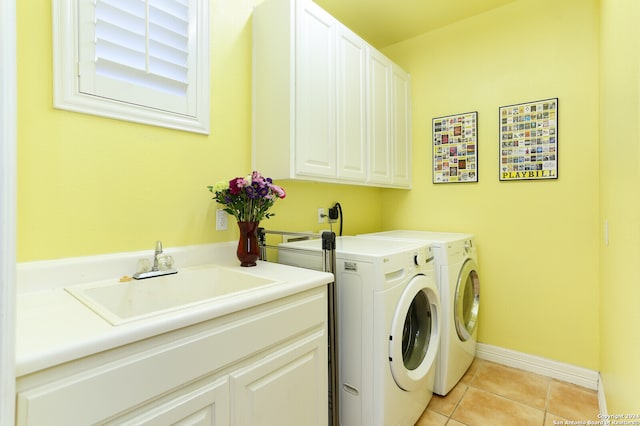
53 327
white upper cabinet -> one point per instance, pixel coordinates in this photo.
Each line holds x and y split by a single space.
324 101
389 130
401 132
351 106
315 92
380 109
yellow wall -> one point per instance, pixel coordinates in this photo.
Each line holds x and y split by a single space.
89 185
537 241
620 205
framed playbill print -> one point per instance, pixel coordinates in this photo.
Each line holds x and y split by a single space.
455 148
529 140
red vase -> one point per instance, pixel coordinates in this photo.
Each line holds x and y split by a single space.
248 250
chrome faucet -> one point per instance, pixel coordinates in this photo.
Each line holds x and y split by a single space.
155 271
155 256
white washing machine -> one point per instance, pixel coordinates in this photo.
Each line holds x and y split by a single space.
388 326
456 273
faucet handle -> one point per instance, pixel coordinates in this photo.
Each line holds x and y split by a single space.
158 247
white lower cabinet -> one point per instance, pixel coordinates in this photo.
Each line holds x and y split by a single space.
207 405
262 366
284 388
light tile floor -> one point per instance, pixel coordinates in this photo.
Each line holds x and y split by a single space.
495 395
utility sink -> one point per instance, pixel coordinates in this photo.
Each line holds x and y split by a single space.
123 302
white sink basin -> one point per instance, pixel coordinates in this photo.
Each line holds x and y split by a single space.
122 302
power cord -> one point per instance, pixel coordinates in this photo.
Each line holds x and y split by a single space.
334 213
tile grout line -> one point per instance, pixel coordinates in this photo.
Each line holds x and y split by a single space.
546 403
473 376
458 404
516 401
473 382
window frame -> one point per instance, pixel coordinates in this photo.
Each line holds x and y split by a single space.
67 96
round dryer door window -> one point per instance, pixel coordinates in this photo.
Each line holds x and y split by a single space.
414 338
467 302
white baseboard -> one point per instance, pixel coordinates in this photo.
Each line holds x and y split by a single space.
602 402
558 370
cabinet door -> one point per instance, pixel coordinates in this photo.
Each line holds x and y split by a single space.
315 141
286 388
401 113
379 118
351 106
207 405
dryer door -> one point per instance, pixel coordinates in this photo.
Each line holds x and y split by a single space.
467 302
415 333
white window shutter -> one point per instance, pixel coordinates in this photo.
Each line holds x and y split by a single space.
145 55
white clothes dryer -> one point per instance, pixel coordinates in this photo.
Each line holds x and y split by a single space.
456 272
388 326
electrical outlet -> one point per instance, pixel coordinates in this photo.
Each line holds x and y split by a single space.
321 215
221 220
333 214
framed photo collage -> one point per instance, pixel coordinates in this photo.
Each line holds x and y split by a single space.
455 150
528 144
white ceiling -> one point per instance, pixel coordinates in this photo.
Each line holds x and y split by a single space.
385 22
